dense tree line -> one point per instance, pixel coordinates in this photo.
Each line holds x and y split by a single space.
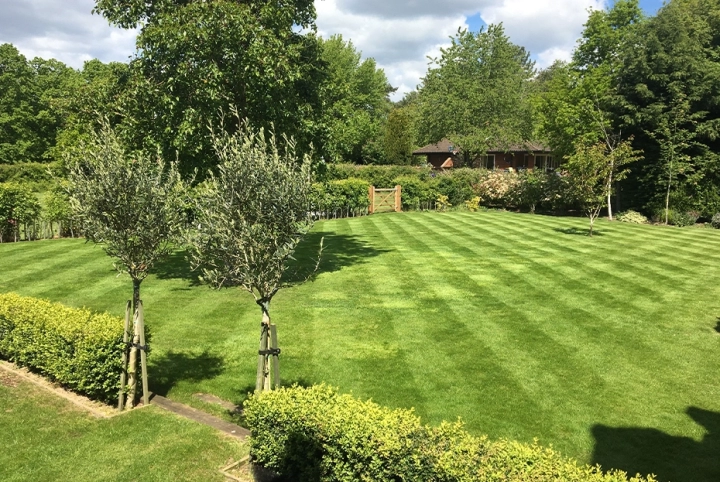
652 81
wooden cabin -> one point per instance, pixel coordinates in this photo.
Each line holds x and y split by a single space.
532 155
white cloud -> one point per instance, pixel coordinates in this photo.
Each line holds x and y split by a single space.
399 44
65 30
549 29
399 34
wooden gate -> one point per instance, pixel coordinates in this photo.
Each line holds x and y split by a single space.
385 200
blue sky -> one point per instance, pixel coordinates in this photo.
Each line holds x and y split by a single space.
649 6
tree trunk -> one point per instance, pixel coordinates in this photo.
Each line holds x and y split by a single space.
132 366
263 370
667 196
609 198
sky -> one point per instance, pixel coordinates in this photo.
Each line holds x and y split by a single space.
399 34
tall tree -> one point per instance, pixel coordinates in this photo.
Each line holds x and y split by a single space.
251 215
398 138
477 93
356 102
668 88
574 106
99 88
606 34
196 58
31 97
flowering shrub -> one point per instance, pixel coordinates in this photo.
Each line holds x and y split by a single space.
473 204
633 217
497 188
442 203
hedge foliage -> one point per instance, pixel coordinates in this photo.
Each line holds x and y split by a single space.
19 209
421 187
77 348
348 194
317 434
29 172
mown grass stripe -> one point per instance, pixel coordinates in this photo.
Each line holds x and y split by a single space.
463 352
622 334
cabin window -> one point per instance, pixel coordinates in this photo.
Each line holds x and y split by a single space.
552 163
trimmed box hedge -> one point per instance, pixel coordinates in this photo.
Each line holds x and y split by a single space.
77 348
317 434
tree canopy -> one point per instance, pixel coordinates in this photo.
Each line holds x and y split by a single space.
477 93
196 58
356 103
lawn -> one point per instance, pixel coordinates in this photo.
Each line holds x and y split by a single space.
604 347
47 438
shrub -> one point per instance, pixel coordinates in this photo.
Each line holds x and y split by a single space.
77 348
457 184
633 217
317 434
416 193
347 194
715 221
530 189
683 218
442 203
29 172
498 188
473 204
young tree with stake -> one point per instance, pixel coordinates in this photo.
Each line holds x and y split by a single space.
250 216
591 170
131 204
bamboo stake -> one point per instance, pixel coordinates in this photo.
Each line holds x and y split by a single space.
132 364
260 380
121 395
275 357
143 355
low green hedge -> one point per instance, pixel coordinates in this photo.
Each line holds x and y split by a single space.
346 194
77 348
316 434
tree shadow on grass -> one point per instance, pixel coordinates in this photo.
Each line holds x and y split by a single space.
339 251
579 231
670 458
176 266
166 370
717 327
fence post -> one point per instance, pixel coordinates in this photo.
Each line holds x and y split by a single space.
371 194
398 198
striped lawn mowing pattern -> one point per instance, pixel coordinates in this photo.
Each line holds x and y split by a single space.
519 324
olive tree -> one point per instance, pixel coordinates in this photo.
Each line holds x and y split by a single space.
250 216
131 204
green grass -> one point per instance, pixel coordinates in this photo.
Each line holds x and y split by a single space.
46 438
604 347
